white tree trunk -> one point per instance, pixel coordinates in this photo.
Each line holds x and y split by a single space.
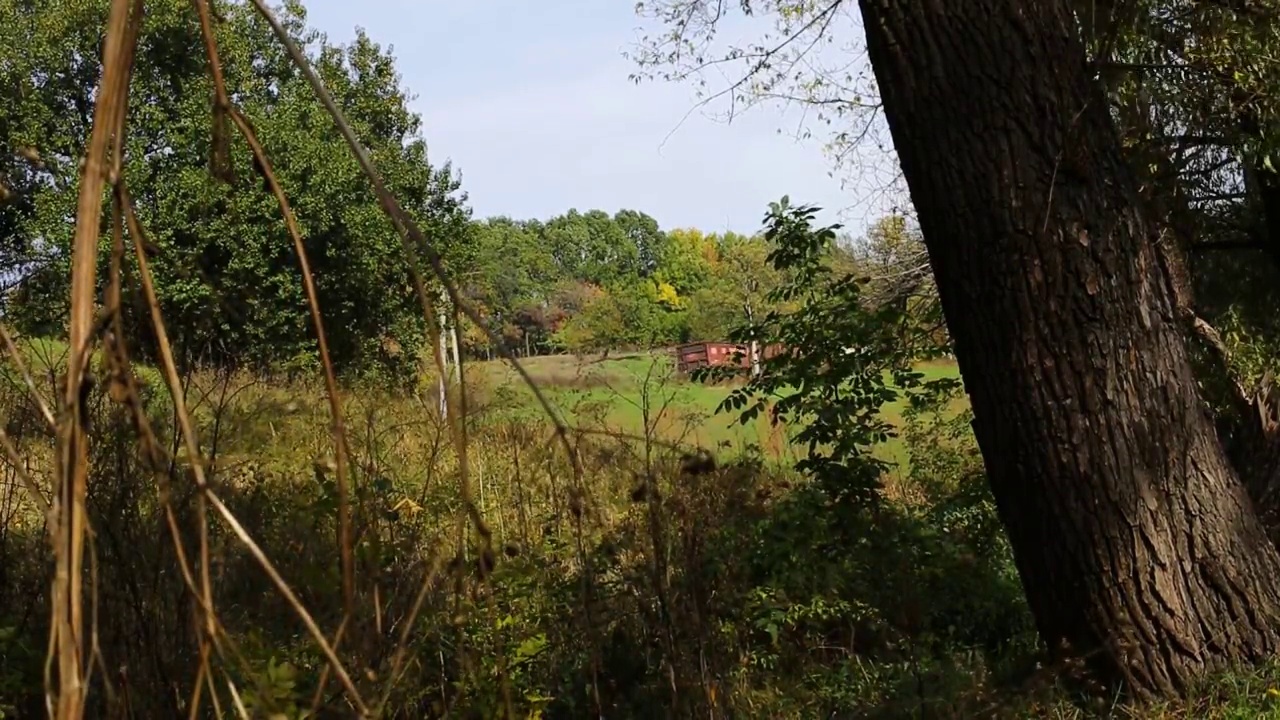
753 348
442 348
457 360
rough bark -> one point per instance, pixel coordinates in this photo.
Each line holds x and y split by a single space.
1136 542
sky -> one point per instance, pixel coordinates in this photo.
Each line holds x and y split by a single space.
531 101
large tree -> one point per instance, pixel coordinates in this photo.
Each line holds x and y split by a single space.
592 247
736 290
1134 536
226 273
1137 542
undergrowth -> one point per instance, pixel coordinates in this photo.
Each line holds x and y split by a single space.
663 587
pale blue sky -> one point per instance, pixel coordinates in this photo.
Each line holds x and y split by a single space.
531 100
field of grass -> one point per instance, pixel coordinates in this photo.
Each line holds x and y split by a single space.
267 443
613 393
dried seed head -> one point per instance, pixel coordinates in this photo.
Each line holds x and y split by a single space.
119 391
32 156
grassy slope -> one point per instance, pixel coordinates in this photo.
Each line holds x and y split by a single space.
606 395
610 393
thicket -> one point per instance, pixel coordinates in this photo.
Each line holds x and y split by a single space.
657 586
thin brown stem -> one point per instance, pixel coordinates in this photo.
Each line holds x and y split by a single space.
188 432
72 440
341 453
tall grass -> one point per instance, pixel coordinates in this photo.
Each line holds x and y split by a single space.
663 586
660 585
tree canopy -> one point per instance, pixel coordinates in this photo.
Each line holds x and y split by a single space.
225 268
226 272
588 281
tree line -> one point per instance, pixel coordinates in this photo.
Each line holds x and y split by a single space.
588 282
226 272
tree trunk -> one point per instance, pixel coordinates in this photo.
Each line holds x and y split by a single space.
1137 544
442 347
456 347
753 347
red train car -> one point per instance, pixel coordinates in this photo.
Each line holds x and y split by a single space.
691 356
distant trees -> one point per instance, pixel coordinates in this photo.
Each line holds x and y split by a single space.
589 282
639 313
740 280
894 265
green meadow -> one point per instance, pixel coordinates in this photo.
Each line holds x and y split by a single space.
625 394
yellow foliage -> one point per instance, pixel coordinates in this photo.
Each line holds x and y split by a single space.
668 296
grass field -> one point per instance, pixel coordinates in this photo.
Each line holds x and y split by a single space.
613 393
